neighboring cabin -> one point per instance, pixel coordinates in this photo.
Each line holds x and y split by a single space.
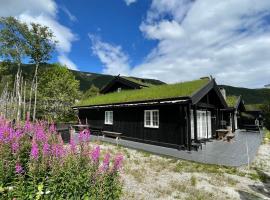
120 83
173 115
236 108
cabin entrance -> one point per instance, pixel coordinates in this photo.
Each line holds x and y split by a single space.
204 124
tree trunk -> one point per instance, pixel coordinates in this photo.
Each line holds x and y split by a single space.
36 87
24 103
18 93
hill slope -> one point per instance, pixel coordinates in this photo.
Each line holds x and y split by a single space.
86 78
250 96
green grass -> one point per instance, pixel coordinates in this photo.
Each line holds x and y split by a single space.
231 100
138 81
252 107
155 92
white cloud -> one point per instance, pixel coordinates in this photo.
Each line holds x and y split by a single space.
128 2
63 59
71 17
42 12
227 39
114 60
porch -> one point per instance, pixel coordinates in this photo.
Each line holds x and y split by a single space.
218 152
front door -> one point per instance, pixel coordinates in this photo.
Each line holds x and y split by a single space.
204 124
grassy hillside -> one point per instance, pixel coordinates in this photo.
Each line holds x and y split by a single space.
86 78
250 96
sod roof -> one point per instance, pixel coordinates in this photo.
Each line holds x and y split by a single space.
183 89
137 81
232 100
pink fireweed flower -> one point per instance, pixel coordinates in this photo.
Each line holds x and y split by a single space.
34 150
40 133
106 162
72 146
52 128
18 168
84 136
46 149
95 154
118 160
15 147
58 150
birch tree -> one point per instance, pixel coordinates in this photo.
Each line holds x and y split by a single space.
13 47
40 45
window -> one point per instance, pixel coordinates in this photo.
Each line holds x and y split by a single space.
151 118
109 117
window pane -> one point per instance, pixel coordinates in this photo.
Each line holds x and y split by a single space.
155 118
147 118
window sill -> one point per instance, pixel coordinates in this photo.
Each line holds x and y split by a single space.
154 127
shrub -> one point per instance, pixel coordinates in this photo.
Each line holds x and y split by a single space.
36 164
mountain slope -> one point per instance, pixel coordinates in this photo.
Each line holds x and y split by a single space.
250 96
86 78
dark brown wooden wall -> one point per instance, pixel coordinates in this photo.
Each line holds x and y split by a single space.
130 121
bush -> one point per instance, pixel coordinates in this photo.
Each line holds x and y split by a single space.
266 114
35 164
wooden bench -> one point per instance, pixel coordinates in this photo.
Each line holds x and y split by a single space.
112 134
196 145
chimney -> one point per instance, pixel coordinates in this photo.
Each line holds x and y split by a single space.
223 92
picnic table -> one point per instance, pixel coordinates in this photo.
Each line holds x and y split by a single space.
221 133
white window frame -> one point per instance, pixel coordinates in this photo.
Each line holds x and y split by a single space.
151 125
108 117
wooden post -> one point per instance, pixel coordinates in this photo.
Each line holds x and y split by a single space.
195 123
188 127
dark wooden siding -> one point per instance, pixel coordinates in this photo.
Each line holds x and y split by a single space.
130 121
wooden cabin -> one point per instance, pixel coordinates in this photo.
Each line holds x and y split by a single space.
172 115
119 83
232 115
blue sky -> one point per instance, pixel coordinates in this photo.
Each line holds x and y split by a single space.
113 21
170 40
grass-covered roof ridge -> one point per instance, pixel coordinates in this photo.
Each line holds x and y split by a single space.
151 93
232 100
138 81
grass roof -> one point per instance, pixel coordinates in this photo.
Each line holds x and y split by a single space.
253 107
138 81
151 93
231 100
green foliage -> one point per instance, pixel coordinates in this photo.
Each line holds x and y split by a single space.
58 90
40 43
155 92
266 114
12 40
250 96
91 92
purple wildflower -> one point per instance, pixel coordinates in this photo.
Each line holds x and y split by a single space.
40 133
118 160
84 136
18 168
34 150
58 150
72 145
52 128
15 147
106 162
46 149
95 154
